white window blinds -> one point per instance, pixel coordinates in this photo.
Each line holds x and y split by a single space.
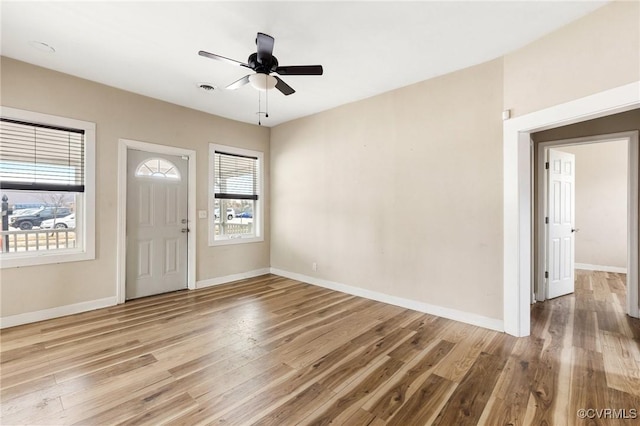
235 176
41 158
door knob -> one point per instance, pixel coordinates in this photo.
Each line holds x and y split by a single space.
575 229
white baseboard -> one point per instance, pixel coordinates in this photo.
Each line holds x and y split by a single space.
588 267
59 311
230 278
453 314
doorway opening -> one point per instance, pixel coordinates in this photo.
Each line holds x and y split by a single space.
518 266
595 229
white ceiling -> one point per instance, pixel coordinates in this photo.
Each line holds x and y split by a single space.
366 48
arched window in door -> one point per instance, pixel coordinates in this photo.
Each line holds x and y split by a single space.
157 168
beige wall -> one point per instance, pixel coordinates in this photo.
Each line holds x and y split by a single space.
399 194
598 52
601 203
120 114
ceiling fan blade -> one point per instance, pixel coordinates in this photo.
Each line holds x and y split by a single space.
265 47
300 70
238 83
222 58
284 87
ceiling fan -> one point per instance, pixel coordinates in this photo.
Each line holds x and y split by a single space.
264 63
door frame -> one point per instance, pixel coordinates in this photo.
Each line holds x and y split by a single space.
121 255
632 210
517 191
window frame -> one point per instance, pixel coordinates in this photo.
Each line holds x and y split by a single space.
258 212
85 207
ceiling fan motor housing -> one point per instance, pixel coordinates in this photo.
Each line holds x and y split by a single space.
266 67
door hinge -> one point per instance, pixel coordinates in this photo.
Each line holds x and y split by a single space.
546 220
546 274
546 165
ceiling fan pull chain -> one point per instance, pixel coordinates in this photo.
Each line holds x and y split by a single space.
267 97
259 109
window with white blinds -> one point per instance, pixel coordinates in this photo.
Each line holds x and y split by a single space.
235 195
47 177
41 157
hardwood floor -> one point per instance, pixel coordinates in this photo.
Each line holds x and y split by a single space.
272 351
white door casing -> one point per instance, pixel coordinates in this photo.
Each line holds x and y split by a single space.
561 200
517 201
156 226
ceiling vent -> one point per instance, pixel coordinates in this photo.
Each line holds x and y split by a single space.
207 87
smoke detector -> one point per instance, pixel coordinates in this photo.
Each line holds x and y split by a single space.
43 47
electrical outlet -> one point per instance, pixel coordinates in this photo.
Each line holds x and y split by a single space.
314 266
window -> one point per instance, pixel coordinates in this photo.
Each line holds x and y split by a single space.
235 195
47 187
158 168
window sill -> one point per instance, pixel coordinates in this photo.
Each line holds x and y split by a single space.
230 241
33 259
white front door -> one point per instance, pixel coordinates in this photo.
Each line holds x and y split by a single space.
561 201
157 188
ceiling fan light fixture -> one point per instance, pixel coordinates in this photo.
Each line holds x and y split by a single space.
262 82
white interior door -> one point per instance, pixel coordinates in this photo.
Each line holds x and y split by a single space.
561 201
157 188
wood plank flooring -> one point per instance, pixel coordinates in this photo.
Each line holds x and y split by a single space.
273 351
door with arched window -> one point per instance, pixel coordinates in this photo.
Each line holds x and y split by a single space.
156 223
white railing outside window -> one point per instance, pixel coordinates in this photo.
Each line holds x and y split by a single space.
34 240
